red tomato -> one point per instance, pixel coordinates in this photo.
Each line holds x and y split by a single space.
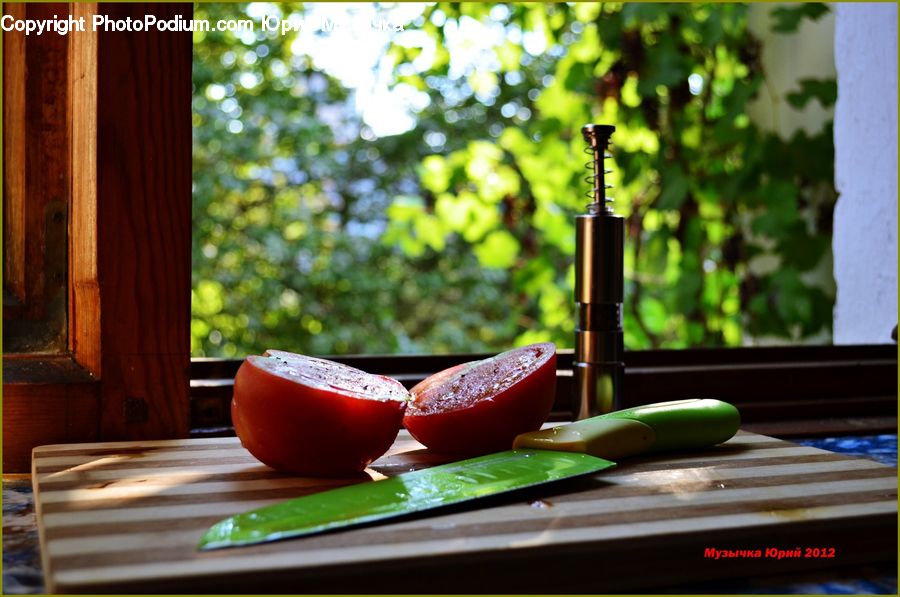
310 416
480 407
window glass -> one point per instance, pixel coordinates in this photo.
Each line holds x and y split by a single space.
404 178
35 188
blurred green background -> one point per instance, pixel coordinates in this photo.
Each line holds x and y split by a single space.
417 192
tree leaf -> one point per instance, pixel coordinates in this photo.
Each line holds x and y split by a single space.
675 187
498 250
665 66
788 19
824 90
801 250
653 314
430 231
435 173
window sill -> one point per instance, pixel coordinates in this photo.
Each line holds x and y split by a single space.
43 370
46 399
794 391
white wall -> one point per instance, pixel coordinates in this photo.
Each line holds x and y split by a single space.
865 140
807 53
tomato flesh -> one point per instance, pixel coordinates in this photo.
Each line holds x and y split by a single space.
315 417
480 407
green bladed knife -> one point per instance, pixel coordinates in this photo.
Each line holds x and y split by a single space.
538 457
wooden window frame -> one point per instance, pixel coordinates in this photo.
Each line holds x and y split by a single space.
35 199
124 374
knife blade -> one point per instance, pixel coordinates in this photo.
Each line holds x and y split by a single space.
539 457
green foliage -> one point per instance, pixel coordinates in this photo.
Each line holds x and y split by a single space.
294 219
310 237
787 20
824 91
725 222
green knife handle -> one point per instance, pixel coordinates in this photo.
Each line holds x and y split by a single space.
677 425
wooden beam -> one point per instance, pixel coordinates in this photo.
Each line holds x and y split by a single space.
84 287
144 225
14 157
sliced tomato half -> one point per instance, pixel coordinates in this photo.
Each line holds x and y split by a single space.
480 407
312 416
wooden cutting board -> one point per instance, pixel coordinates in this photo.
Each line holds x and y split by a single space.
126 517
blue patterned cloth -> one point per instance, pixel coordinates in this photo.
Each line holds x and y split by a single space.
882 448
21 559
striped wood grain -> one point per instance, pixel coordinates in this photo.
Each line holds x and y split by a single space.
127 516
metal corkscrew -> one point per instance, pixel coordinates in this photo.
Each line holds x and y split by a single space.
599 248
